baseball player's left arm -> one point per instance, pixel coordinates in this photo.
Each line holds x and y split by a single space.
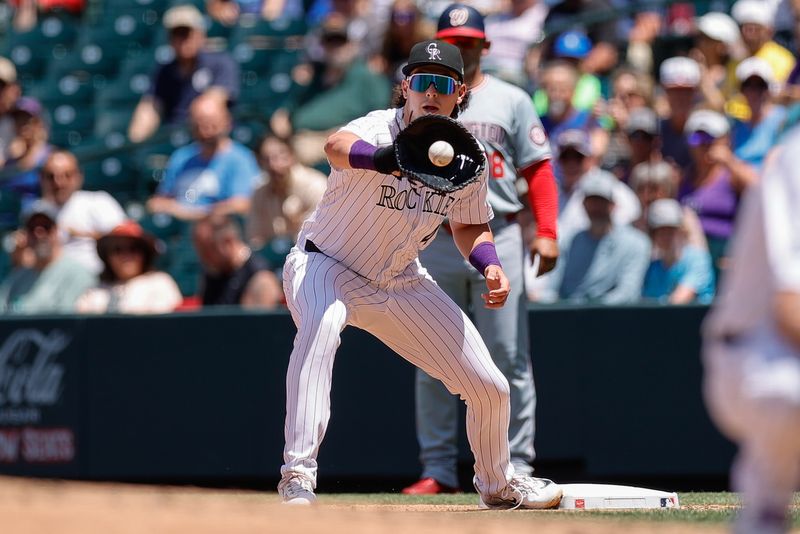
543 198
532 159
475 242
346 150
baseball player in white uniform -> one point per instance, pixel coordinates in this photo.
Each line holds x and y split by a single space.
356 263
752 346
502 117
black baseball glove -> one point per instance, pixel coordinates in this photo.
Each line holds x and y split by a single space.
411 150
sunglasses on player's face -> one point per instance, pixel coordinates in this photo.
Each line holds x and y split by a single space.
444 85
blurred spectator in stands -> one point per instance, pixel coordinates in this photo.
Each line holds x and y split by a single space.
756 20
83 216
644 142
214 174
570 48
659 180
27 151
717 48
227 12
647 26
680 78
192 72
512 34
406 27
577 165
715 181
752 139
559 80
129 282
53 283
605 263
232 275
603 56
27 12
10 92
289 194
631 91
337 91
679 272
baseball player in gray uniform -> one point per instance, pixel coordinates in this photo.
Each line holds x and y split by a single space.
502 117
752 346
356 263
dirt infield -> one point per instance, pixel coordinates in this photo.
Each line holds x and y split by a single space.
50 507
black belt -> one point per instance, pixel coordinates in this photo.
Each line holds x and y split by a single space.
311 247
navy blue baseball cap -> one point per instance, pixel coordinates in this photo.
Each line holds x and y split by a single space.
434 52
459 20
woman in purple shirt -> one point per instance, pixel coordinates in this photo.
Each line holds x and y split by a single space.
714 183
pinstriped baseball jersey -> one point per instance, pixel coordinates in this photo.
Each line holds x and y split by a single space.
375 224
502 117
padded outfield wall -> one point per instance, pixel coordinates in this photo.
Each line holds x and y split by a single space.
200 397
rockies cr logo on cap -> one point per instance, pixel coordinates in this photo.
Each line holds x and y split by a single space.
459 17
433 50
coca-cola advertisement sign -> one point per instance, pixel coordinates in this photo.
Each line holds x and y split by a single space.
32 389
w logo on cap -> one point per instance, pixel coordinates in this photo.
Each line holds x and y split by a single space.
459 17
433 51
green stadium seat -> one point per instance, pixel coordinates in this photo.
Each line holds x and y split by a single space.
31 51
111 125
249 133
115 174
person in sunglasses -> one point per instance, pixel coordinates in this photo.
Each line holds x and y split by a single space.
502 117
356 263
53 283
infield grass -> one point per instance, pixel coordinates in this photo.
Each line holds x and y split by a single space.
695 507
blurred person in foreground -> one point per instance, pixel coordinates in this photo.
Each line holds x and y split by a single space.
129 283
53 282
212 175
232 275
193 72
679 273
751 347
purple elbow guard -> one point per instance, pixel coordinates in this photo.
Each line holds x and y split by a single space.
483 256
361 155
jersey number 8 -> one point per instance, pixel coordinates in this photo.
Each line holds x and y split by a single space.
498 164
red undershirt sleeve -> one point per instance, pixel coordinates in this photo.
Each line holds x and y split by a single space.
543 197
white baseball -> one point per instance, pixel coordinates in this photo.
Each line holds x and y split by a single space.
441 153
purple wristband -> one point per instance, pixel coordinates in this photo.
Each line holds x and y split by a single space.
483 256
361 155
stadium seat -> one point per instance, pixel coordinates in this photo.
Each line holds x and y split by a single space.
277 34
31 51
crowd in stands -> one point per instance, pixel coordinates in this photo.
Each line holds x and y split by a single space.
660 116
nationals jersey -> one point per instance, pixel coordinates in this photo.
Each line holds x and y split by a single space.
502 117
765 257
376 224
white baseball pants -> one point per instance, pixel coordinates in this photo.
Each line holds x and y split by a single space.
752 389
413 317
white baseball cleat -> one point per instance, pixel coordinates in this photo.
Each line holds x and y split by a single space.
524 492
297 490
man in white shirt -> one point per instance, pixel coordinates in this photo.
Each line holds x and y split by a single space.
83 216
